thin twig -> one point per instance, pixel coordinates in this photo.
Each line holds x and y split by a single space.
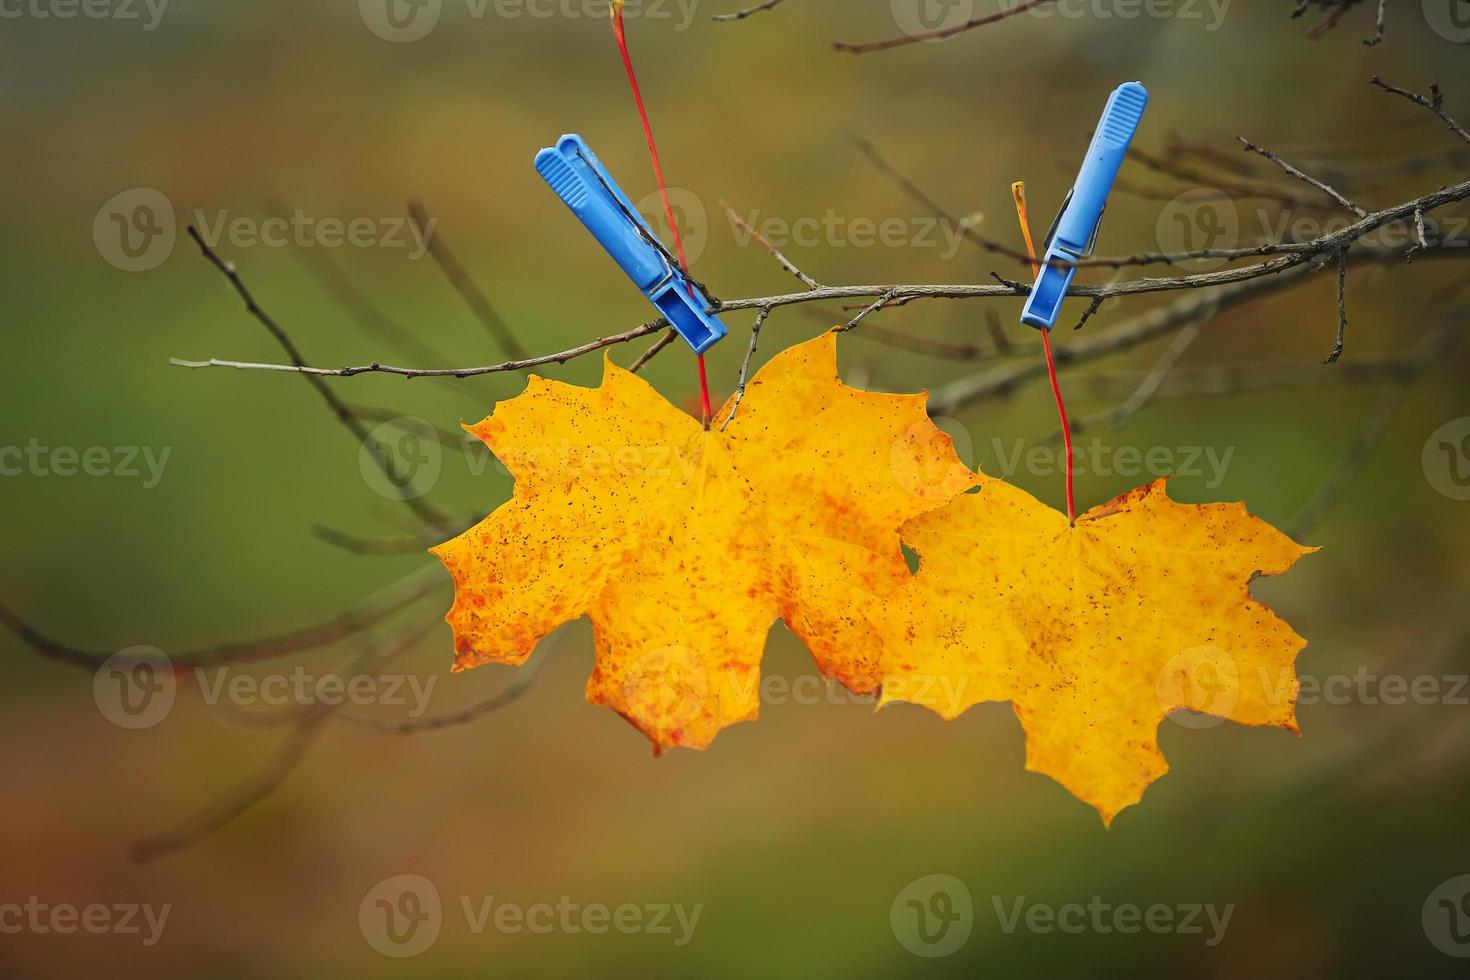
873 307
488 316
418 541
367 613
755 337
1342 317
1004 379
421 507
742 14
1377 37
658 345
1248 186
1324 188
947 350
373 321
1227 380
776 253
561 357
1152 382
1435 104
525 677
445 437
941 33
1375 426
1291 257
288 757
1090 312
879 162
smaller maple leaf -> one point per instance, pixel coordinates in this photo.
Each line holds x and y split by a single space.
1096 632
684 545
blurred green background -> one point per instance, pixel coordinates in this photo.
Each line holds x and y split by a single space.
795 834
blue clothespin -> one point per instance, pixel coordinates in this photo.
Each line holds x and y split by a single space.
585 186
1074 232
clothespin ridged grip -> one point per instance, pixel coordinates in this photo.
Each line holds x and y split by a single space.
1075 230
577 177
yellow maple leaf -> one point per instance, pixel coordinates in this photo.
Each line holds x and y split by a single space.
683 546
1096 632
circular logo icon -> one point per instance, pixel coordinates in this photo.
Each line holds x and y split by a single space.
135 688
689 214
401 459
1446 917
1447 459
933 916
1450 19
1196 221
401 916
1202 680
135 230
923 458
667 687
920 18
400 21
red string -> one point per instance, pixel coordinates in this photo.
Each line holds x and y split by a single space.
1056 389
1018 191
658 173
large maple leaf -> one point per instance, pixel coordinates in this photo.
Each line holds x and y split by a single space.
1096 632
683 546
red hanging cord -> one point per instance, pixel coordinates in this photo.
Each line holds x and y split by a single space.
1018 191
658 172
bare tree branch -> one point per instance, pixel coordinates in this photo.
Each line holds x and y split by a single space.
377 607
463 284
1149 387
669 336
227 809
560 357
940 34
373 321
1287 257
524 678
742 14
419 540
1435 104
1377 37
1342 317
1427 354
776 253
755 337
421 507
1304 177
913 190
1003 379
1241 185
